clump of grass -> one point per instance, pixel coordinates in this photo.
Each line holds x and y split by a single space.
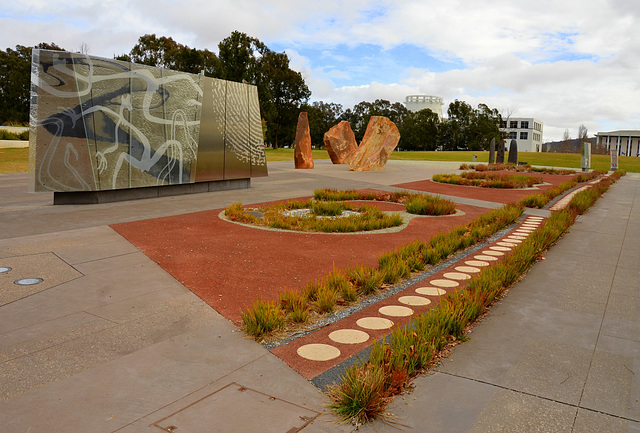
295 304
488 180
361 396
326 298
367 280
429 205
392 267
264 317
329 208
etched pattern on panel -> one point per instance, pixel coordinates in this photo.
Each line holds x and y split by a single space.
237 155
256 141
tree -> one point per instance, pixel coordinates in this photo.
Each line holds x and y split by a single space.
362 112
322 116
419 131
467 128
281 90
15 82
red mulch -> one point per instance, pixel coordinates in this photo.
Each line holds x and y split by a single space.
487 194
229 265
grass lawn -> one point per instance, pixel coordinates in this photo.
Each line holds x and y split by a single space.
570 160
15 160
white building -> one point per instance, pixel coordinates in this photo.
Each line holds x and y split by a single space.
626 142
527 132
416 103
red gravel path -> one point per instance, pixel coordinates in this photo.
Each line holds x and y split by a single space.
229 265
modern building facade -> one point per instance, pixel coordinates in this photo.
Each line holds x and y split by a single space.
527 132
624 142
416 103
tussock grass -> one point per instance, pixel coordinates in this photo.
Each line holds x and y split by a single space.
488 180
429 205
264 317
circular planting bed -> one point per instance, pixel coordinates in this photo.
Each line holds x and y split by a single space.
330 212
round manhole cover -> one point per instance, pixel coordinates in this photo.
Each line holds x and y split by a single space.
28 281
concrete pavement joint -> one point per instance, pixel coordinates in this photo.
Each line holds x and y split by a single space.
506 388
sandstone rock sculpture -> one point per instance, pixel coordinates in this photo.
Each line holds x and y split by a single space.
492 151
500 153
379 140
302 145
513 152
340 142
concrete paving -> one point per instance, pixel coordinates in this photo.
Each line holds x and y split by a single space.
110 342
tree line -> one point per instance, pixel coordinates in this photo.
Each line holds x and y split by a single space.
282 92
465 128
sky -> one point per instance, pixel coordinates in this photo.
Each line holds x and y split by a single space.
564 62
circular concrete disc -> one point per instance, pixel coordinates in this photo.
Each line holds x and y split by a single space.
485 258
457 276
431 291
444 283
414 300
493 253
513 240
507 244
467 269
521 238
477 262
374 323
395 311
349 336
500 248
318 352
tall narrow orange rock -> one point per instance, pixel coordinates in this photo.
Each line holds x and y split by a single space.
302 146
380 138
340 142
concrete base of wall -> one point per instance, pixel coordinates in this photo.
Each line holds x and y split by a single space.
110 196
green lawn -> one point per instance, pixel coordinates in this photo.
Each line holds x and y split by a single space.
571 160
15 160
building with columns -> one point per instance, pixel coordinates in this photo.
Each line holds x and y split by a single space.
624 142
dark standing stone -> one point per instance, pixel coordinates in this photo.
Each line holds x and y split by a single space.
500 153
513 152
492 151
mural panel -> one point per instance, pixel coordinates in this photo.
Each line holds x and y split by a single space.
100 124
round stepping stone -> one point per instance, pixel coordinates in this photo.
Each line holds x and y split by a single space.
444 283
507 244
374 323
318 352
493 253
478 262
468 269
534 219
431 291
498 248
395 311
457 276
514 238
521 233
485 258
529 227
414 300
530 222
349 336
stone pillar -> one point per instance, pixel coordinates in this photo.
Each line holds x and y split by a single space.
500 153
303 156
513 153
586 156
492 151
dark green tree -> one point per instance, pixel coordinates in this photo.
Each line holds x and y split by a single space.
419 131
322 116
361 114
467 128
15 82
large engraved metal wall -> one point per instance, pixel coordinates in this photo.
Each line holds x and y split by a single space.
100 124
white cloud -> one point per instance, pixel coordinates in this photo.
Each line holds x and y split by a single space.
565 62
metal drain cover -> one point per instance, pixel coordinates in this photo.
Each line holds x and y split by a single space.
235 408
